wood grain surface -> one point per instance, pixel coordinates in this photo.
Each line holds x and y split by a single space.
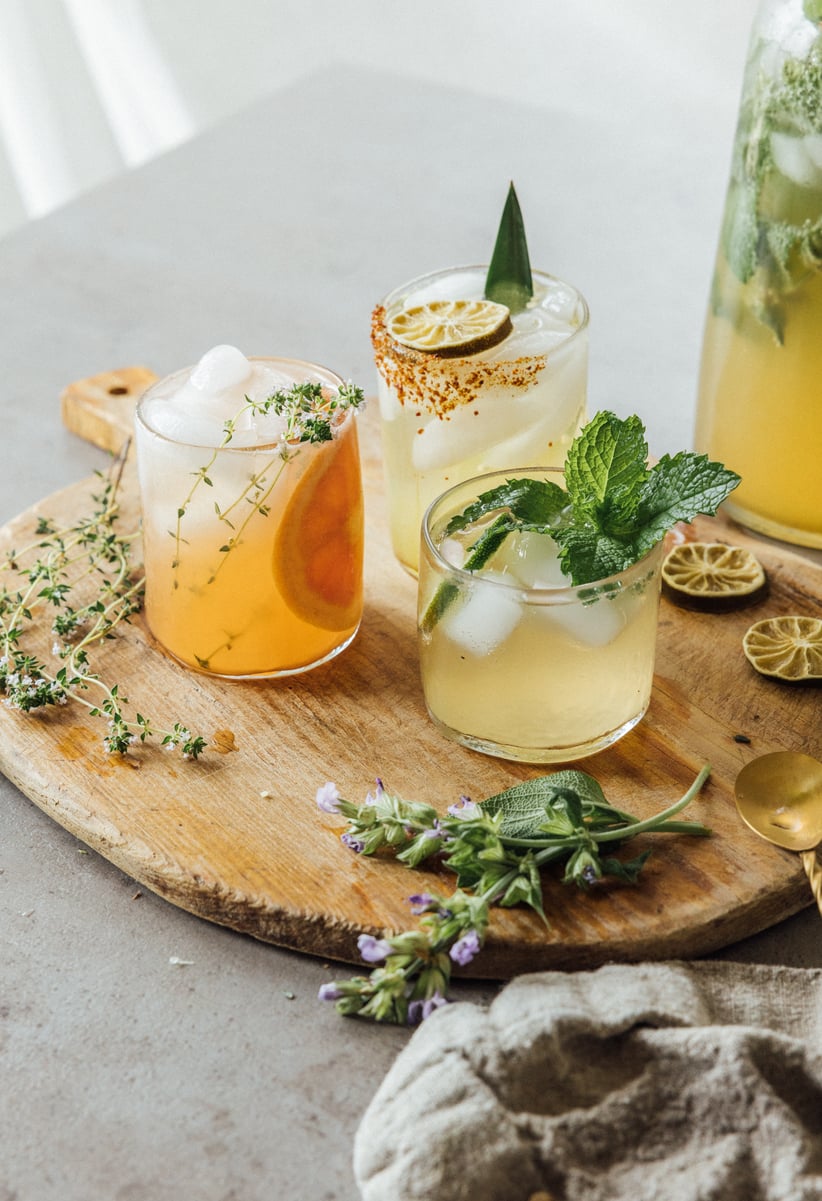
236 837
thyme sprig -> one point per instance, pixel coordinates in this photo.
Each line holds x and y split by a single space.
497 850
81 576
310 414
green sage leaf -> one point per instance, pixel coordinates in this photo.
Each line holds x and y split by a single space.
526 806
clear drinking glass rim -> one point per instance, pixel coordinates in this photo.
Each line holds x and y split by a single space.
237 450
585 316
561 593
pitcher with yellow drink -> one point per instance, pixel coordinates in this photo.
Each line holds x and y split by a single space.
760 398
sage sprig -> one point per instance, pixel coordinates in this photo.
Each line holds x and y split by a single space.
497 850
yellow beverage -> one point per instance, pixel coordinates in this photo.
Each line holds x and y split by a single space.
446 418
521 664
760 412
760 396
253 553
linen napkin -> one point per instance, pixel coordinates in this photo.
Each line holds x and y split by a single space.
652 1082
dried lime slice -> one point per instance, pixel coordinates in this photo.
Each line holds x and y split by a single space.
787 648
712 575
451 327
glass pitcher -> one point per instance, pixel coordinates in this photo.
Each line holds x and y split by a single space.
760 392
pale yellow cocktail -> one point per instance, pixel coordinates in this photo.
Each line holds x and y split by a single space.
519 663
446 417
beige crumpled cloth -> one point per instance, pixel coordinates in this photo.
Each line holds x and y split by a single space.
650 1082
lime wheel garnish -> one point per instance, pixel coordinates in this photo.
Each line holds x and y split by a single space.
786 648
451 327
712 575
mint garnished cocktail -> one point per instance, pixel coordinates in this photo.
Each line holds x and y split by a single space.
539 593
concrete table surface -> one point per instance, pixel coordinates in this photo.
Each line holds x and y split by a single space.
125 1077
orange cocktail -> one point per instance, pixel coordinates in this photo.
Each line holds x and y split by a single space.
252 514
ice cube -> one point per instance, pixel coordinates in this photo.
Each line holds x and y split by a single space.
531 560
390 406
543 442
220 369
794 157
450 285
813 146
453 551
265 380
595 624
177 421
466 431
484 619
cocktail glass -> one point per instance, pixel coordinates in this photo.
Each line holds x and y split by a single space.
446 418
253 550
517 662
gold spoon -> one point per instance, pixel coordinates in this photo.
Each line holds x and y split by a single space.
780 797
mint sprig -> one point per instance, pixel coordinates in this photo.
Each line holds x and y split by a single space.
621 507
616 507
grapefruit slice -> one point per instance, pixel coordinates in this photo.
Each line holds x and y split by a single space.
318 548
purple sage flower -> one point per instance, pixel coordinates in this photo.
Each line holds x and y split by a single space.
329 992
327 798
354 844
418 1011
465 809
421 902
373 950
376 795
465 948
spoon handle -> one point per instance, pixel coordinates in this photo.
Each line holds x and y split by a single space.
813 871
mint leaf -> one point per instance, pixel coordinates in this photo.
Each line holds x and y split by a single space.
587 554
533 502
678 489
615 510
605 462
740 232
509 279
481 552
621 508
525 504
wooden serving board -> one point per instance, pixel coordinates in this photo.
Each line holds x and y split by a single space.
236 838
